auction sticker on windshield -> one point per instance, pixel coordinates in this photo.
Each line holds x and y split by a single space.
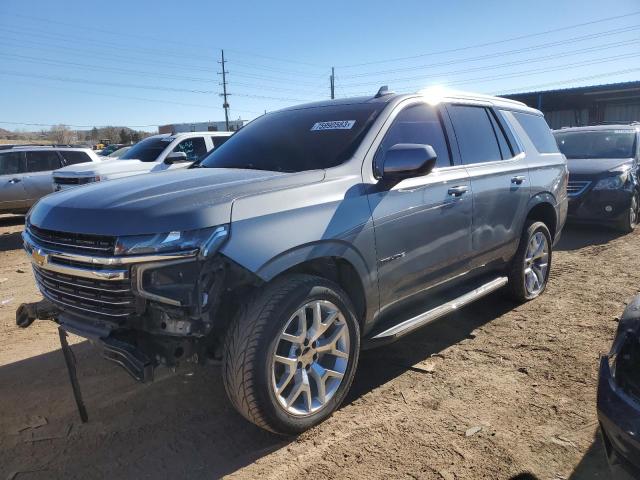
334 125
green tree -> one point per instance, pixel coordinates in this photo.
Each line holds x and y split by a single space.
94 134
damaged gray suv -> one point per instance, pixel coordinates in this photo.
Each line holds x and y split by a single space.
312 233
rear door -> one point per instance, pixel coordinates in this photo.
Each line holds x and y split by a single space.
38 181
12 192
499 177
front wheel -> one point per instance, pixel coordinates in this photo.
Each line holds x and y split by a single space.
530 267
290 355
630 219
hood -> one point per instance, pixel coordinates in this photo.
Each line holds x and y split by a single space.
176 200
105 167
593 166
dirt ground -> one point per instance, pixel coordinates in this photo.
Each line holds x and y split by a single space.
494 391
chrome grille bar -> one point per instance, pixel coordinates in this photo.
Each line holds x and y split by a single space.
575 187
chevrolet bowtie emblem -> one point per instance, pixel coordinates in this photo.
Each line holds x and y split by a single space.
38 257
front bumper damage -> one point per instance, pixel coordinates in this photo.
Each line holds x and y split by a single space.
141 311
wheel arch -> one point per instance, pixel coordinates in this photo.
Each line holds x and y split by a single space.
542 208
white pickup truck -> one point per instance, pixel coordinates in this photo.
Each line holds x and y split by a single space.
157 153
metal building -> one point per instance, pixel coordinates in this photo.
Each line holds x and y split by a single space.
569 107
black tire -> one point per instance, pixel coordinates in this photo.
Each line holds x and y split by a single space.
251 341
516 287
629 221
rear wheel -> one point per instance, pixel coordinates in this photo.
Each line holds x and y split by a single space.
629 221
531 264
290 355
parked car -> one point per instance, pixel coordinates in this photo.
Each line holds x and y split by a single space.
109 149
119 152
619 394
25 173
153 154
313 232
603 174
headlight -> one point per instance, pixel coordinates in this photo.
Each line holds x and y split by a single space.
612 183
208 240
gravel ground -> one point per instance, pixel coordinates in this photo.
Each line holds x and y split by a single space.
494 391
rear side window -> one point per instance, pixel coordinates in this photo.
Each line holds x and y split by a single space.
538 131
417 124
73 157
42 161
195 148
11 163
217 141
475 134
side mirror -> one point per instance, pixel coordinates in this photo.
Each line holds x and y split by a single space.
176 157
406 160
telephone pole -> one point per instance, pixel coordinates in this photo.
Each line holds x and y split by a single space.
332 82
224 93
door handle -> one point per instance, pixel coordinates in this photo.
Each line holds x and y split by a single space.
15 180
518 179
458 191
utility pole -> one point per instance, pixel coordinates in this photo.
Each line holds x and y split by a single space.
224 93
332 81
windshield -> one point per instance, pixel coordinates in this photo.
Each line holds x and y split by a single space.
147 150
297 140
597 143
119 152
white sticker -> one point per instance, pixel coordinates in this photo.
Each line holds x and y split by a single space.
334 125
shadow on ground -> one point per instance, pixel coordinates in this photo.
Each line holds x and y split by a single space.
181 425
575 237
594 465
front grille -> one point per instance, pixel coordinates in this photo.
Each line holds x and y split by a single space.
575 187
76 242
107 300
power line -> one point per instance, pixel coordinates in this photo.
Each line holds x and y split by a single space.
565 82
74 126
495 42
501 65
499 54
532 71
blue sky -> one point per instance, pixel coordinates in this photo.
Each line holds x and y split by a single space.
143 63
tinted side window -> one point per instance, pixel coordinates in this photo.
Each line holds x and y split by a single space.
417 124
505 149
475 134
195 148
538 131
11 163
217 141
73 157
42 161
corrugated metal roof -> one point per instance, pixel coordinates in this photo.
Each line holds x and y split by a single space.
606 86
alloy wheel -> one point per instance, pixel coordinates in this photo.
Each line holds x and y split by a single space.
310 358
633 211
536 264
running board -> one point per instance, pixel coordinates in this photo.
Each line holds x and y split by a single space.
430 315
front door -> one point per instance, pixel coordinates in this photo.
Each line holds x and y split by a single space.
38 181
422 224
12 193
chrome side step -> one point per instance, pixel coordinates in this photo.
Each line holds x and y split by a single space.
441 310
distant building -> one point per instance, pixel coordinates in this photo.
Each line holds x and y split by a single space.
200 127
597 104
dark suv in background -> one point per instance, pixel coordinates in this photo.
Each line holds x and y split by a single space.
313 232
603 173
